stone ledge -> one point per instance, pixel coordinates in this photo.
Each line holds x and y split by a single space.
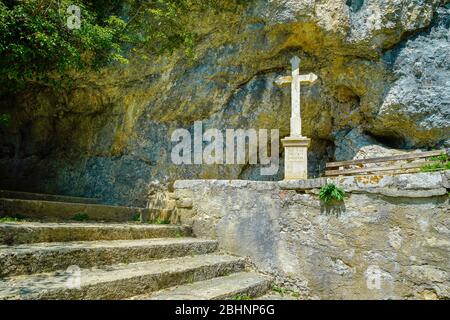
193 184
419 185
302 184
410 181
390 192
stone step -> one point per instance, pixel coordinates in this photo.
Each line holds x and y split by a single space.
120 281
46 197
47 257
234 286
65 211
32 232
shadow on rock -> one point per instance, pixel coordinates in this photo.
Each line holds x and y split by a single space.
335 208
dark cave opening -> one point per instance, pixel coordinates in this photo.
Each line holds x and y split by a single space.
389 139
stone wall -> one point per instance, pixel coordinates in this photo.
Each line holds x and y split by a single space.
388 239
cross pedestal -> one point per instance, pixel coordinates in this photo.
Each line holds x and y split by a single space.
296 157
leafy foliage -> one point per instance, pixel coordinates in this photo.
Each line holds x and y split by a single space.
442 162
240 297
36 44
4 119
441 158
16 218
160 221
279 290
80 216
136 217
330 192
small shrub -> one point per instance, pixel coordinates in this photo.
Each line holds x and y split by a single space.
330 192
80 216
136 217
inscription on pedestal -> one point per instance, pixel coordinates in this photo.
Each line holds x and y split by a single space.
295 154
296 158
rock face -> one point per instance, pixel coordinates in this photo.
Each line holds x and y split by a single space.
383 70
389 239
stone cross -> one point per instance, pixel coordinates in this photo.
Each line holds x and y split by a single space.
296 79
296 145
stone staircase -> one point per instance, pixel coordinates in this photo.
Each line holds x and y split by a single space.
120 260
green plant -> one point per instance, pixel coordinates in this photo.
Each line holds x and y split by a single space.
280 290
283 291
242 297
136 217
442 162
330 192
442 158
435 167
4 119
37 45
80 216
178 234
17 218
161 221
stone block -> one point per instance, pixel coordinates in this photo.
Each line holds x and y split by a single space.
171 204
446 179
302 184
423 180
172 196
184 203
184 216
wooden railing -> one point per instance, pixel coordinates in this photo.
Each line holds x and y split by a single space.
341 167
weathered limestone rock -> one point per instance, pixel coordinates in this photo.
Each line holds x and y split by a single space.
122 280
422 72
222 288
66 211
32 232
118 261
417 185
374 245
382 65
47 257
184 203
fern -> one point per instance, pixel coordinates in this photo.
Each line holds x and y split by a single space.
330 192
